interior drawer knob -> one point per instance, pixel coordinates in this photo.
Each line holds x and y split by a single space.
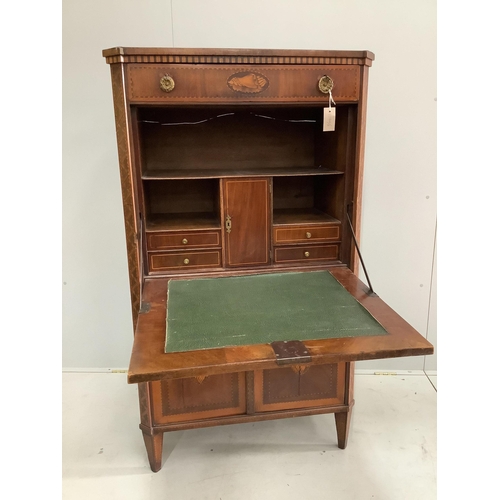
306 254
184 241
186 261
308 234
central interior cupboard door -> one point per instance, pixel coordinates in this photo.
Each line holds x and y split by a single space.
246 213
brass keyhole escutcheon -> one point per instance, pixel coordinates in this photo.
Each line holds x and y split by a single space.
167 83
186 261
184 241
325 84
306 254
308 234
228 224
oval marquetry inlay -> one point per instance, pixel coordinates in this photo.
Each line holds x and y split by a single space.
248 82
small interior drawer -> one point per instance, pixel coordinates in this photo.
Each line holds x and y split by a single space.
305 234
183 260
199 239
306 253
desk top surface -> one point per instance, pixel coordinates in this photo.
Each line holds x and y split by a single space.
150 362
210 313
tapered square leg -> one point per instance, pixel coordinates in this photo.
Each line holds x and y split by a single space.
154 447
342 422
152 440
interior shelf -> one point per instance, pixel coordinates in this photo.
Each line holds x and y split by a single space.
182 221
200 173
286 216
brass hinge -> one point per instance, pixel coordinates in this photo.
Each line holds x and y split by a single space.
290 352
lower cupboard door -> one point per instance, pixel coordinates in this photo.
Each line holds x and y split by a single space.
299 386
197 398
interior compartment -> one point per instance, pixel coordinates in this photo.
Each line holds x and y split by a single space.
308 199
200 141
182 204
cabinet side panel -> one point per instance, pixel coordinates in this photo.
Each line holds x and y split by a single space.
359 165
144 403
127 186
346 190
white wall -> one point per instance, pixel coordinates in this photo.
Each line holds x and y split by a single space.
97 322
399 208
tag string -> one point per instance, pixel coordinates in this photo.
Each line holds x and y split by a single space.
330 100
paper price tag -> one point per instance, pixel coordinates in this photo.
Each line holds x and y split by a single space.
329 119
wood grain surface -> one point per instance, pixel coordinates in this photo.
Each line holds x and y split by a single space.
149 361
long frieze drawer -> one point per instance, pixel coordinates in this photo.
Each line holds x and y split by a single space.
305 234
181 400
166 241
300 386
306 254
226 83
183 260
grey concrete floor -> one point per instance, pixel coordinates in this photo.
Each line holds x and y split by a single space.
391 452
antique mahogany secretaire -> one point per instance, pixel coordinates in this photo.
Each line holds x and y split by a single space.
241 174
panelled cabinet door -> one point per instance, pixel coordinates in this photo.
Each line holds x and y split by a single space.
246 215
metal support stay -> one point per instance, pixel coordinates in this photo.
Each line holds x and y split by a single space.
359 254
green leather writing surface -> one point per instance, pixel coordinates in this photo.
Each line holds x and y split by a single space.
218 312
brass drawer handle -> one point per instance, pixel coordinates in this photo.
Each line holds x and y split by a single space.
186 261
167 83
325 84
306 254
184 241
308 234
